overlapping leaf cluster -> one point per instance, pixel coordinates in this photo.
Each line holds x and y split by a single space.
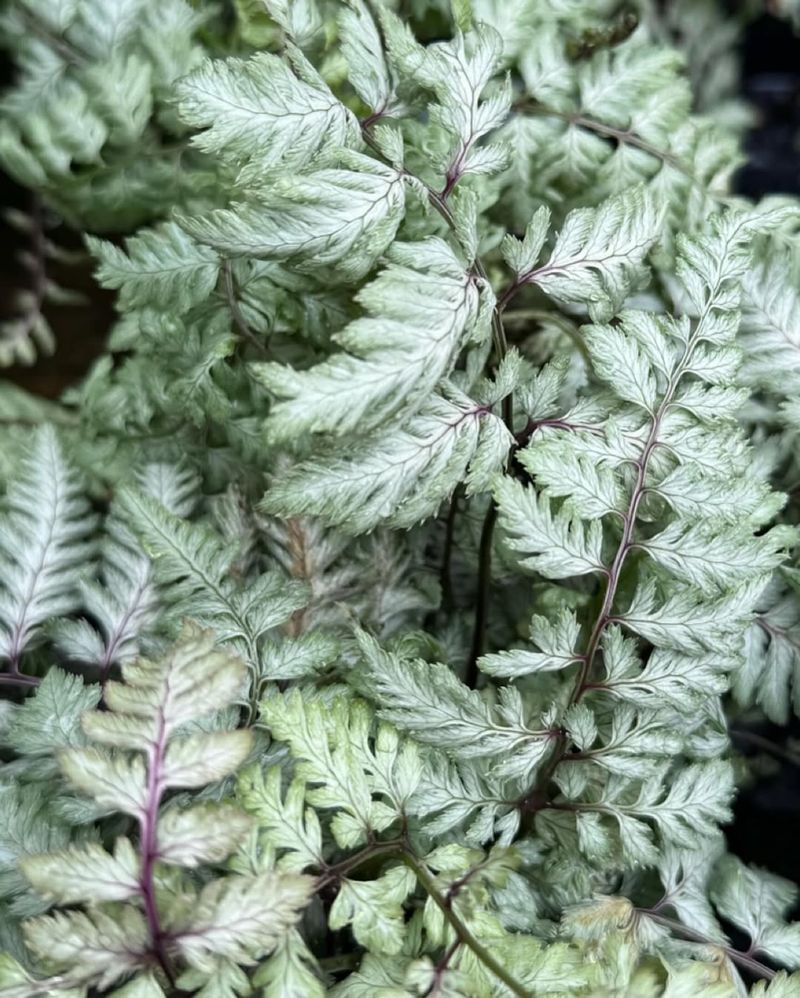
453 402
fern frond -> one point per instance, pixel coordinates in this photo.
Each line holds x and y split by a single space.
162 268
120 602
400 477
423 308
260 107
45 546
353 213
234 918
193 567
598 254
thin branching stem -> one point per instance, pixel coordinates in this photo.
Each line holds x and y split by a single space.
239 320
15 678
478 646
399 849
445 904
744 960
765 744
149 846
445 575
441 968
536 798
623 136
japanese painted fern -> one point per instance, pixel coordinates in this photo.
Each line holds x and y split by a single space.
379 615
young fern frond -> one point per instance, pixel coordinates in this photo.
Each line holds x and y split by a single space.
146 744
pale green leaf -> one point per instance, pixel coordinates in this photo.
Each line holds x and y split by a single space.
51 718
44 544
202 833
557 643
85 874
259 108
399 478
552 543
326 762
114 782
344 218
288 972
161 268
100 946
363 52
421 310
374 909
196 760
598 256
289 824
240 918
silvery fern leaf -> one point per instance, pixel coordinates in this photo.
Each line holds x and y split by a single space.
430 701
685 811
579 516
258 108
590 490
49 721
551 542
770 335
193 566
374 909
688 622
97 34
300 20
558 648
634 93
175 486
160 268
458 73
290 825
400 476
367 788
716 560
770 671
422 309
239 919
28 825
463 795
100 947
194 680
122 605
686 876
758 902
288 972
668 678
597 258
362 49
782 984
340 217
45 545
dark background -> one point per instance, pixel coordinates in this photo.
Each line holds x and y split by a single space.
766 830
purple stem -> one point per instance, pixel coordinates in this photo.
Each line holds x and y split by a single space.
745 960
116 639
536 798
441 969
149 846
16 678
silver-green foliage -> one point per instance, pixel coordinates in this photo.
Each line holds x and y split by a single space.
453 401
